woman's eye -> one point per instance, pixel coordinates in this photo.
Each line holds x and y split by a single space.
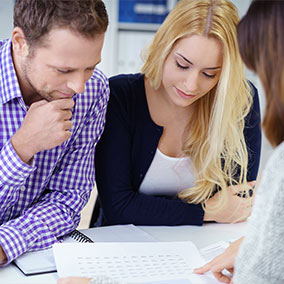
181 66
209 75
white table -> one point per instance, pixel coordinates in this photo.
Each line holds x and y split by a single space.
201 236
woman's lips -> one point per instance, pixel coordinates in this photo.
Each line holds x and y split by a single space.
184 95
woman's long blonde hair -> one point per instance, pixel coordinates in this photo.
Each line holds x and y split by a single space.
215 140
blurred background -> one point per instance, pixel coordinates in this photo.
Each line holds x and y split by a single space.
132 26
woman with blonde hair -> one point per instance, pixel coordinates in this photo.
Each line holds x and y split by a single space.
182 137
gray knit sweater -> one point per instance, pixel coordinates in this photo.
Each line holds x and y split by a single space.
261 257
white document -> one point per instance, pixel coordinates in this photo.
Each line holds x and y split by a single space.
165 262
210 252
43 261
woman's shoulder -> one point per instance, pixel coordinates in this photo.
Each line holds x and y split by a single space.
128 90
276 160
126 81
274 167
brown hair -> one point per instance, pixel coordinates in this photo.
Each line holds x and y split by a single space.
261 44
37 17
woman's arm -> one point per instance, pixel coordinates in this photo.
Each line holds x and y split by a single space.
252 133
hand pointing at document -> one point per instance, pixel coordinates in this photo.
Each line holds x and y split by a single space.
226 260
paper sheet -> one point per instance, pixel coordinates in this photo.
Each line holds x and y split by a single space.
129 262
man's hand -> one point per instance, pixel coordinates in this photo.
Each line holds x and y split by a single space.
236 207
46 125
226 260
3 257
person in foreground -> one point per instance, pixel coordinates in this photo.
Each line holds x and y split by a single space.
53 106
261 258
185 128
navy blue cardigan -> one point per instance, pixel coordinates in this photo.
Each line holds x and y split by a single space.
126 150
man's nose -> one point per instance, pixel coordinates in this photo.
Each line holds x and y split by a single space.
77 83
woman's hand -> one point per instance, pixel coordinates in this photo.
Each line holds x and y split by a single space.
237 207
226 260
74 280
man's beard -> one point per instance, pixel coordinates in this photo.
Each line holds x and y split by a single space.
44 94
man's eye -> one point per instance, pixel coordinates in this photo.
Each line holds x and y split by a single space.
62 71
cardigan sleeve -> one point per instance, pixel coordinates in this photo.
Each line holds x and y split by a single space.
120 200
252 133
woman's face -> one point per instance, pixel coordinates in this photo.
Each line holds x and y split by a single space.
191 69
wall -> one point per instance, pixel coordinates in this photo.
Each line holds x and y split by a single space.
6 18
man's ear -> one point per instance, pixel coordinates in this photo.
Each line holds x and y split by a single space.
19 43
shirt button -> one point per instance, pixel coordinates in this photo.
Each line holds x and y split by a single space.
23 188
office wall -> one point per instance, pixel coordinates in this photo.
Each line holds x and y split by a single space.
6 18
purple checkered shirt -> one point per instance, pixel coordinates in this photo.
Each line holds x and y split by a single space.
41 202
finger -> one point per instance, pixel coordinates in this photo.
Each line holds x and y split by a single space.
202 269
252 183
221 277
65 104
67 125
38 104
231 270
66 114
216 264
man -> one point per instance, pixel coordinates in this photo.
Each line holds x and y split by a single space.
52 114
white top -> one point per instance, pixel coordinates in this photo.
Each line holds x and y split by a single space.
167 175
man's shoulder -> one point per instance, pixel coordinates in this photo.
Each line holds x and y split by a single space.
96 88
98 84
98 77
2 43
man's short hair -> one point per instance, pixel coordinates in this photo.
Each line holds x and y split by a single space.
37 17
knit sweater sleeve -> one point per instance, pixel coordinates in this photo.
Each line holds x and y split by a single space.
261 257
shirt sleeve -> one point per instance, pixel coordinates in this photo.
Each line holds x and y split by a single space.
261 258
121 202
13 174
57 212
